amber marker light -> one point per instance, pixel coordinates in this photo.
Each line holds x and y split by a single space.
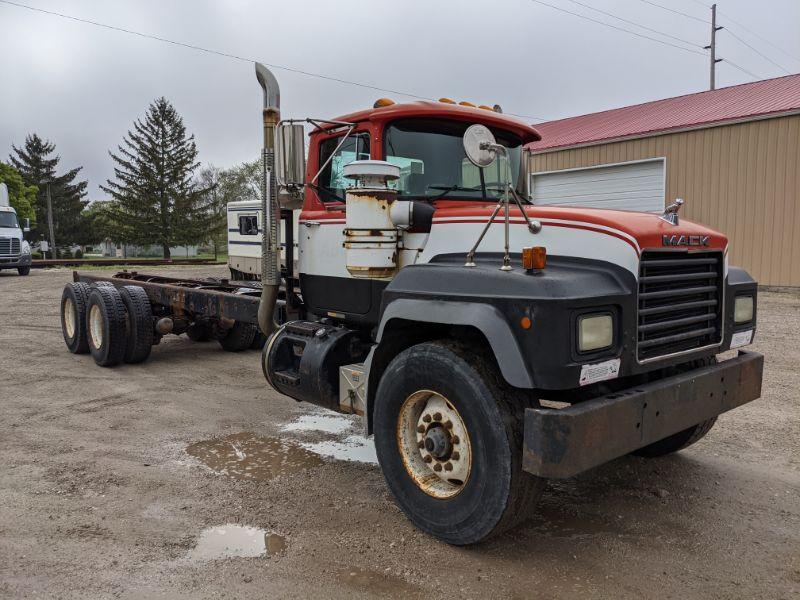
534 259
447 100
525 322
465 103
381 102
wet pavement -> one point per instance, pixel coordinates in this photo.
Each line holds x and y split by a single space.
236 541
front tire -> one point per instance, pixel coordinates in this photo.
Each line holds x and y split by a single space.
440 404
678 441
23 270
683 439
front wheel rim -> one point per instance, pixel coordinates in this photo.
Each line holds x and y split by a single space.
434 444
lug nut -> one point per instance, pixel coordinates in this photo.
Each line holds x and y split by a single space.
421 429
437 467
421 444
448 424
455 439
427 418
455 456
428 458
437 416
448 467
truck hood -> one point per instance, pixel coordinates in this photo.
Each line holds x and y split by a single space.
648 230
11 232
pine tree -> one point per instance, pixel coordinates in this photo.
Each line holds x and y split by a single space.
38 165
154 191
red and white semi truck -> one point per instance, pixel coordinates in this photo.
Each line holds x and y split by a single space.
489 344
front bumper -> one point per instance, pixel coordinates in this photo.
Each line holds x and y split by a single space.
561 443
11 262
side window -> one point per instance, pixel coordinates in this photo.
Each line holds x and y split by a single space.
332 183
248 225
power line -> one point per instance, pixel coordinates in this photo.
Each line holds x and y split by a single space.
233 56
761 54
677 12
761 37
742 69
641 35
634 23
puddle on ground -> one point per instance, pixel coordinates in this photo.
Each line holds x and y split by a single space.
374 583
325 423
354 448
247 456
236 541
276 544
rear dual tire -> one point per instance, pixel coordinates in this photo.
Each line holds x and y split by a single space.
74 300
140 332
448 387
106 322
114 325
239 337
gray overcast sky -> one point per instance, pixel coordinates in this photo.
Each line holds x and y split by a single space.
81 86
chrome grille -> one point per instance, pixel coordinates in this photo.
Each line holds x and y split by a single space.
9 246
680 302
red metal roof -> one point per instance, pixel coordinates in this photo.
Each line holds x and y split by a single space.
738 102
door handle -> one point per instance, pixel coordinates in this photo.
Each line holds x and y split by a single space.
311 223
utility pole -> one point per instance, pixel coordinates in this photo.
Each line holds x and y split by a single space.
713 47
50 223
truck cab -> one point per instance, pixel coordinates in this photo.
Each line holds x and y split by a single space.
15 252
489 344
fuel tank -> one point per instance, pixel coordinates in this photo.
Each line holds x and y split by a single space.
302 360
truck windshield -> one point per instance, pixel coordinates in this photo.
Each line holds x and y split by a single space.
430 154
8 219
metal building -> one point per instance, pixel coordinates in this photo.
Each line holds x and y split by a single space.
732 154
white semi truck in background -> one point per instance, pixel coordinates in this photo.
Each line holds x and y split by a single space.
15 252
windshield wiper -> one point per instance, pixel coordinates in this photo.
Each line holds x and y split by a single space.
324 190
446 189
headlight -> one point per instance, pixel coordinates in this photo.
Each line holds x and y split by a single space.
26 248
743 309
595 332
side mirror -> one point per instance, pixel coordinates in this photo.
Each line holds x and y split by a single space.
26 225
290 163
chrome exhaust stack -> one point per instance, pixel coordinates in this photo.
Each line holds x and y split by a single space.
271 226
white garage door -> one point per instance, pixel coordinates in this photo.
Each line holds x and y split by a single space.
624 186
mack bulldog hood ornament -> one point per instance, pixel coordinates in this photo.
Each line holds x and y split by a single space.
671 212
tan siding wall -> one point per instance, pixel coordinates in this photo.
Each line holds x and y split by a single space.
743 180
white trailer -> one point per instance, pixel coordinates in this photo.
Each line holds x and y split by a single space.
245 221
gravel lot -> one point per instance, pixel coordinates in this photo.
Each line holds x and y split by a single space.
109 478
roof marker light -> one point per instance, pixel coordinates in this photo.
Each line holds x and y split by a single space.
465 103
484 107
381 102
447 100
